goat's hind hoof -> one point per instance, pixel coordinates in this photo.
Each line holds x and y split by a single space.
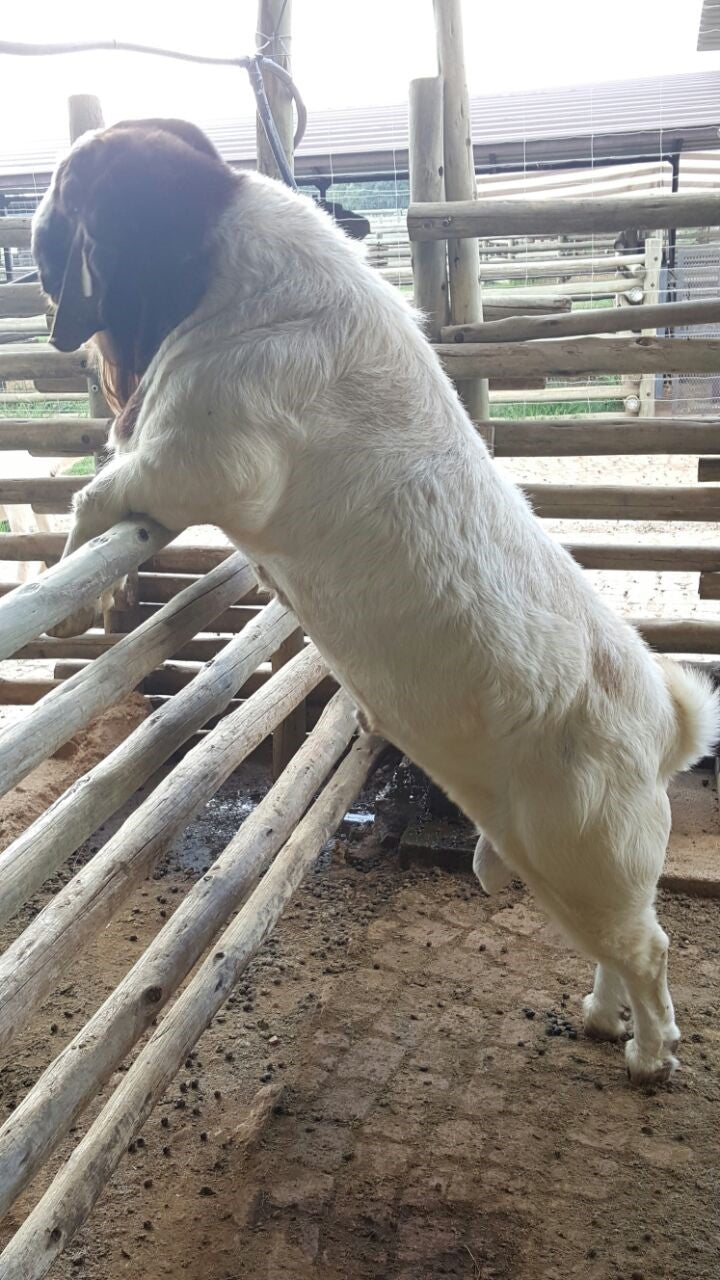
76 624
489 868
603 1024
647 1071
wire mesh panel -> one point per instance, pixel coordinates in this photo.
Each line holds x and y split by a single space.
695 275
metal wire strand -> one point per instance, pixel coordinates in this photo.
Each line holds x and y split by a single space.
22 49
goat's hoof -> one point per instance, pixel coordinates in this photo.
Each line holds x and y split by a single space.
74 625
645 1070
604 1024
489 868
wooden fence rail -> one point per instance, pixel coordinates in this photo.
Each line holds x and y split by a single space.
100 684
468 218
54 437
48 1111
665 315
70 1198
22 361
565 357
31 965
76 581
59 831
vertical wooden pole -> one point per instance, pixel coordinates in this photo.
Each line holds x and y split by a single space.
428 257
273 39
463 257
653 266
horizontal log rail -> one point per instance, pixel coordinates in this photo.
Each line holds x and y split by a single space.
583 437
651 557
51 437
559 357
47 1112
67 709
18 301
32 963
589 215
680 635
42 493
70 1198
522 268
697 503
75 582
60 830
15 233
663 315
26 361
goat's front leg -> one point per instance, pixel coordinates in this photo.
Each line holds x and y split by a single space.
121 489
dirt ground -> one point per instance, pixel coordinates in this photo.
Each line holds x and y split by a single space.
399 1089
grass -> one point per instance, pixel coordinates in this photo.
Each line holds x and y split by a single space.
555 409
43 408
83 467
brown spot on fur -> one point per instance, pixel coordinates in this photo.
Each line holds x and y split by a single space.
606 671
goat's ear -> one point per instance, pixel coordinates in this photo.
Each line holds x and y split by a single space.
77 316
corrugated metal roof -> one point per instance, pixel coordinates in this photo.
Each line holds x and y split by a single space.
577 124
709 33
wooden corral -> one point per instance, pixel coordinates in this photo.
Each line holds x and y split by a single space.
196 637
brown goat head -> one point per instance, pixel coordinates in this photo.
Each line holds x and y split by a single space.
121 240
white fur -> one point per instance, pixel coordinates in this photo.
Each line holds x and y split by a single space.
301 410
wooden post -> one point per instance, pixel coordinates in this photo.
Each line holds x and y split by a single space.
273 37
429 260
463 257
653 265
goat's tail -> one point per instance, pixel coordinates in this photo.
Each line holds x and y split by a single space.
696 707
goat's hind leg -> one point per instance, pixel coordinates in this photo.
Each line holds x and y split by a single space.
650 1054
603 900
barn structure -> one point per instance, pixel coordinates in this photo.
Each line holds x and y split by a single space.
570 280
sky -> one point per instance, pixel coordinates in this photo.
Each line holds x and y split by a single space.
338 60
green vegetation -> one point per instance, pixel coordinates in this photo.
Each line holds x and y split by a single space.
43 408
555 409
83 467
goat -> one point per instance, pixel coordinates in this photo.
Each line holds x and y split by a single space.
273 384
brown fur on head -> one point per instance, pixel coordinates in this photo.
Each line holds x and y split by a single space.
122 241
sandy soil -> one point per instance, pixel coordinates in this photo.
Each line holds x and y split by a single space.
26 801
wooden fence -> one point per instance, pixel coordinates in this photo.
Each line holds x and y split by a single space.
512 321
